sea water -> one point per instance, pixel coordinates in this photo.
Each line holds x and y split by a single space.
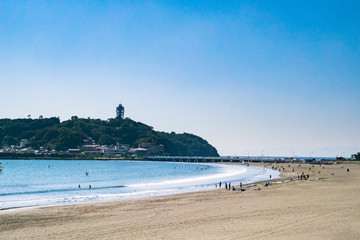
25 183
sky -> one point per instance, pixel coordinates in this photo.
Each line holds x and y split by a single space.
271 78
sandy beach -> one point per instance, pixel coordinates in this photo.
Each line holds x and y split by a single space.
320 209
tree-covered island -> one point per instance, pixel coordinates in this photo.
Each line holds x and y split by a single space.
94 138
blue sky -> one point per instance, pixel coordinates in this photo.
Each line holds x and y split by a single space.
251 77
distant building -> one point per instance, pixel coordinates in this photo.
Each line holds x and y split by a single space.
140 152
89 146
117 151
93 148
27 150
153 149
23 142
120 110
8 149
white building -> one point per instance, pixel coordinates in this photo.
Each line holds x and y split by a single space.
117 150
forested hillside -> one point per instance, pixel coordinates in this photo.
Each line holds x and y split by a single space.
50 133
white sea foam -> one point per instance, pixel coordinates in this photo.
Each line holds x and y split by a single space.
227 171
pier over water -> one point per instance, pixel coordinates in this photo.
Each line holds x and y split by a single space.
217 159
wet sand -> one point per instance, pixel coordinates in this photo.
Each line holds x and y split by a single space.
328 209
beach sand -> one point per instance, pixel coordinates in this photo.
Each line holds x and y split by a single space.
327 209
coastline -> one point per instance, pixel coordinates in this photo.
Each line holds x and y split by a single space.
234 173
281 211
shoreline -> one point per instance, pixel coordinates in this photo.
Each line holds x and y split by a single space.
323 209
283 176
159 194
246 185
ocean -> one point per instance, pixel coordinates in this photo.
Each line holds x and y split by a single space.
25 183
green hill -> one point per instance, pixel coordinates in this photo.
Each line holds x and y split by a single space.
51 134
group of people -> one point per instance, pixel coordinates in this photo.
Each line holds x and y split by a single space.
228 186
303 176
86 174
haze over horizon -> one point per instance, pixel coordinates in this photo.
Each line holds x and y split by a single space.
253 78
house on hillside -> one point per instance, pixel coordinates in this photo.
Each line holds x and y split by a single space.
153 149
139 152
117 151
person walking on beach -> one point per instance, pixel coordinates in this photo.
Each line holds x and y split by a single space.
229 186
226 186
220 184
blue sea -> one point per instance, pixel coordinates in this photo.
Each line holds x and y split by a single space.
25 183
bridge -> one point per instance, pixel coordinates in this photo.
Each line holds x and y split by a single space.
217 159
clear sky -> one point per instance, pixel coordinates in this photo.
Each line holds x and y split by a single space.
252 77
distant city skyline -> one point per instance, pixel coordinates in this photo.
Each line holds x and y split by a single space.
272 78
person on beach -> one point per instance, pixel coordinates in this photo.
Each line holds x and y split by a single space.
220 184
270 176
229 186
226 186
79 186
89 186
240 184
